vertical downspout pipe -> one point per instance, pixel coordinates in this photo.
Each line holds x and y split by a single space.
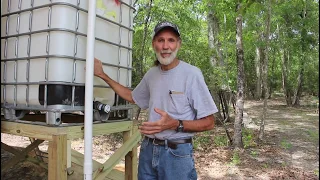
1 7
87 167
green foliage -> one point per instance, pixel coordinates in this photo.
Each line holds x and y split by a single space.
287 32
283 164
202 139
254 153
264 165
220 140
313 135
248 138
311 86
194 49
285 144
218 78
235 160
196 145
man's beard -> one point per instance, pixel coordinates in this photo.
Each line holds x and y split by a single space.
166 60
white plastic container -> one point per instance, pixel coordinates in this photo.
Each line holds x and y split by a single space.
54 35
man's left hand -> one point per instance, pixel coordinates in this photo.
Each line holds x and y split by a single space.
164 123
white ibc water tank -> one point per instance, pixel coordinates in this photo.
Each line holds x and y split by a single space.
43 51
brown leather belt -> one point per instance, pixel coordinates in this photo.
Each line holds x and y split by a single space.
171 143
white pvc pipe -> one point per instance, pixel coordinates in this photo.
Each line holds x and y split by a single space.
1 7
87 167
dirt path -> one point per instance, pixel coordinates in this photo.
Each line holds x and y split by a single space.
290 150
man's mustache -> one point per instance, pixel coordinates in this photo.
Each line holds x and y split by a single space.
166 51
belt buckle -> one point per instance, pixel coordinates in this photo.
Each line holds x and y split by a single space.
153 142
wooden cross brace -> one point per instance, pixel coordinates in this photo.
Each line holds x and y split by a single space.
20 155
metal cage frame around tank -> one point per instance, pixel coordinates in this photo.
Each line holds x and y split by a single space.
58 109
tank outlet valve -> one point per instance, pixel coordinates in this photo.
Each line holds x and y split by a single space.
101 107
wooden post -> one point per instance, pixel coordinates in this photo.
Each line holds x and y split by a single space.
68 153
57 158
131 170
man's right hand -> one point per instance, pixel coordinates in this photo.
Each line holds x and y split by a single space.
164 123
122 91
98 71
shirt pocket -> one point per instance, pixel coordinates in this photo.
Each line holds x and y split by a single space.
180 103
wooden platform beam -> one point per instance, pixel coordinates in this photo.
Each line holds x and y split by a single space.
58 147
73 132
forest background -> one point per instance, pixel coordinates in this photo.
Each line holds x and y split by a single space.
245 49
248 50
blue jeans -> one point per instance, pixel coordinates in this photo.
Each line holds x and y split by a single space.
163 163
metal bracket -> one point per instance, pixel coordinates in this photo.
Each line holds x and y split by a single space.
53 118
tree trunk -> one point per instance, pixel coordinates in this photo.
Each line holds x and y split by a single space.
213 59
286 60
145 31
226 107
213 31
237 138
262 59
273 72
297 95
216 60
303 58
284 69
258 74
265 72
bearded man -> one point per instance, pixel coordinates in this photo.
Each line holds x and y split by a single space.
179 104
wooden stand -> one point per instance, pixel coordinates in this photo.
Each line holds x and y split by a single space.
60 154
